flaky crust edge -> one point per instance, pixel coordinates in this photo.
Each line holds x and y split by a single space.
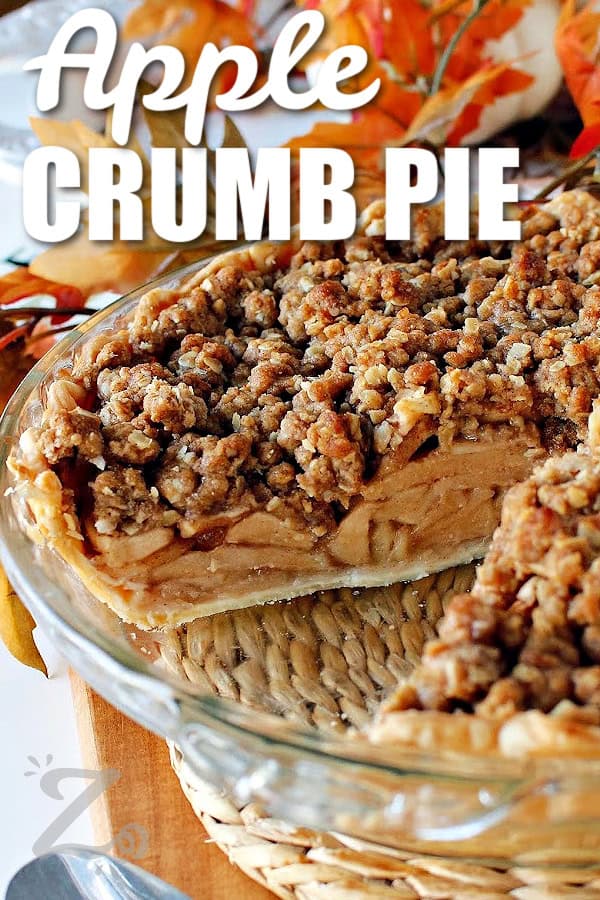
530 734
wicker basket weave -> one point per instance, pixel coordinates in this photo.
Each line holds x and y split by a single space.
325 662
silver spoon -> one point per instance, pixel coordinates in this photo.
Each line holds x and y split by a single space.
77 873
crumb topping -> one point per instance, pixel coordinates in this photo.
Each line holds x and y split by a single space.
528 635
287 387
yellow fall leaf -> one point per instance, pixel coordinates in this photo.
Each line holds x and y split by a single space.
94 267
16 628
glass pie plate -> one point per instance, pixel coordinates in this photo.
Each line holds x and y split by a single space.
291 750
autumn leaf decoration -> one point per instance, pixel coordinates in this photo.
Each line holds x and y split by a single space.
436 77
578 49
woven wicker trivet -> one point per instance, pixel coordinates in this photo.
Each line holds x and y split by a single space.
323 661
326 661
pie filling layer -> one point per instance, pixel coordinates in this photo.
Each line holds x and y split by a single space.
432 513
304 416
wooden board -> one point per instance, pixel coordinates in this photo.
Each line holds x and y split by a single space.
148 793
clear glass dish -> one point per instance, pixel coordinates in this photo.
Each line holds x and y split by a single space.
497 811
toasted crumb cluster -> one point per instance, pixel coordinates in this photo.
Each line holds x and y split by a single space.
528 635
287 387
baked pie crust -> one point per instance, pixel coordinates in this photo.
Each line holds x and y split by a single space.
297 417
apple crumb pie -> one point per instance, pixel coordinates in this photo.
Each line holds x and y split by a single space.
303 416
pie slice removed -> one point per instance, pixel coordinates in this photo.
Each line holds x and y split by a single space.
296 417
516 666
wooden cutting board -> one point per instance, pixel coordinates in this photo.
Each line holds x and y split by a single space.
148 794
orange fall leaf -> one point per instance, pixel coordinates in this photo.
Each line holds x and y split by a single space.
95 267
578 49
507 81
405 39
22 283
189 24
363 138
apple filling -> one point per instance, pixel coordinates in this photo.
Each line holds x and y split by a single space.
433 512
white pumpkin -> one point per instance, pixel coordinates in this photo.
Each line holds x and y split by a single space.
531 44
